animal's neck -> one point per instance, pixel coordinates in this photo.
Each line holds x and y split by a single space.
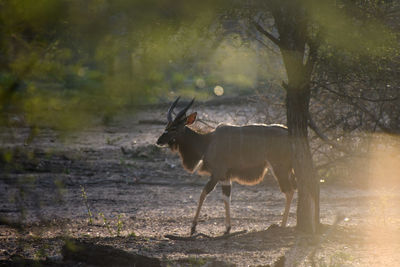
191 147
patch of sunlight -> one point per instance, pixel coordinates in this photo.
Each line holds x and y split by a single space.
384 159
381 232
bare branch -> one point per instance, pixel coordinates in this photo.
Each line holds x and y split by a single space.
204 236
323 137
266 46
267 34
311 59
351 100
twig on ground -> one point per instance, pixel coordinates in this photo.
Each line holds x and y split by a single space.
203 236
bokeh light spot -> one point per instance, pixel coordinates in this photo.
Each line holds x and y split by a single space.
218 90
200 83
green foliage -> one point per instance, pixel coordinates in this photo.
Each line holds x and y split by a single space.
353 28
69 64
106 223
353 37
132 234
85 201
66 63
119 225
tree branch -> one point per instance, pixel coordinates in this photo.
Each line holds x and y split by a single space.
351 100
267 34
311 59
266 46
323 137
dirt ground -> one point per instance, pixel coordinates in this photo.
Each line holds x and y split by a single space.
136 193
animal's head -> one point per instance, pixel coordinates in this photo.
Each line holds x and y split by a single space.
176 127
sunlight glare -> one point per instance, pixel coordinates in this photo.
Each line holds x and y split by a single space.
381 230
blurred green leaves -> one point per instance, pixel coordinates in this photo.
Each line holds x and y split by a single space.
68 64
64 64
353 33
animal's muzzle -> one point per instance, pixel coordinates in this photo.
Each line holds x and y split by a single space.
159 142
162 140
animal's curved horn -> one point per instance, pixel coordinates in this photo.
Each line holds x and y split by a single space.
171 108
183 111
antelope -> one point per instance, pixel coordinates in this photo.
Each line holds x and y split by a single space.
231 153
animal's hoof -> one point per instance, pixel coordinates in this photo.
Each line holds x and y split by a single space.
228 229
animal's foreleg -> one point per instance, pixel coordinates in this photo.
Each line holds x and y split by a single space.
206 190
289 197
226 194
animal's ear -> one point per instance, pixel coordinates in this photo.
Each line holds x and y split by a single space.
191 118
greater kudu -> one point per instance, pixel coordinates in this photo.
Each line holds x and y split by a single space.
231 153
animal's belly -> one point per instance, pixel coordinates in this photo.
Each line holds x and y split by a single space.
248 175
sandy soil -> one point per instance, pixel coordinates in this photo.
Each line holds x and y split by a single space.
137 193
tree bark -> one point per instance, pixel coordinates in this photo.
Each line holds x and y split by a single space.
308 186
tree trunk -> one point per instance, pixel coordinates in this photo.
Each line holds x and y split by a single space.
292 24
308 186
297 108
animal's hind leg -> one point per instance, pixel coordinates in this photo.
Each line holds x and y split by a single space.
206 190
282 175
289 197
226 194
